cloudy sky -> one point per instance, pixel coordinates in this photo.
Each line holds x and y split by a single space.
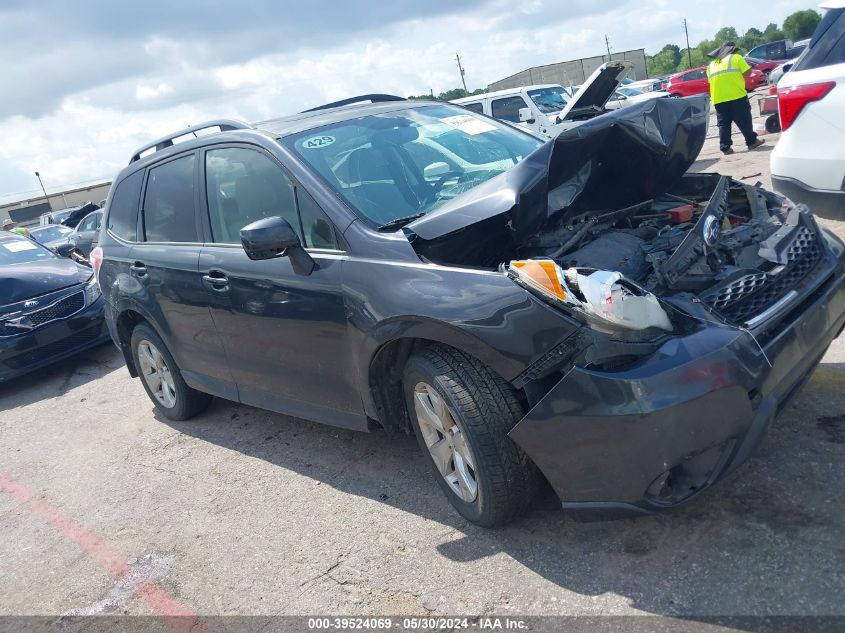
86 82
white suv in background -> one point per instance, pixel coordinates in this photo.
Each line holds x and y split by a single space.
808 162
549 108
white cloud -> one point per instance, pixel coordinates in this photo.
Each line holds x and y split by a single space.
174 81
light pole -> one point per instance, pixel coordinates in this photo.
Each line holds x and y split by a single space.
37 175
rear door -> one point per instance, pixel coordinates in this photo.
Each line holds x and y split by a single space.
165 266
285 334
696 82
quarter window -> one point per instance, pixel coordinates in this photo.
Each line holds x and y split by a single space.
475 107
123 209
169 202
316 227
507 108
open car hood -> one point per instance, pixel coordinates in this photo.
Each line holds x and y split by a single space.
610 162
597 90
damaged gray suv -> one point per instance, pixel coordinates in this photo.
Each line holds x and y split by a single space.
580 310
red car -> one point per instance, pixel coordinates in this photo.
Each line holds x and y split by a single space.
694 81
765 66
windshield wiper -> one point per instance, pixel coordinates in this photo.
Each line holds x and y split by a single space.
400 222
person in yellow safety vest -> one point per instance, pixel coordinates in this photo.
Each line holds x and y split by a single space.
726 74
9 226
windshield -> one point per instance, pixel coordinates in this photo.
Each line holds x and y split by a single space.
629 92
22 251
50 233
403 164
549 100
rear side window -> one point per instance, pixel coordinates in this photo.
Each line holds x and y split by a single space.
507 108
828 44
475 107
123 210
169 202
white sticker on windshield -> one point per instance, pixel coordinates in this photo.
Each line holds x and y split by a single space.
16 247
469 124
317 141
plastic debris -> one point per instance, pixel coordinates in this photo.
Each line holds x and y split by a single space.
610 297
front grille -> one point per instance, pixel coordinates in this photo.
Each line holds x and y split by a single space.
61 309
57 348
743 298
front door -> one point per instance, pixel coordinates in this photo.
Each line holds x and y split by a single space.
285 334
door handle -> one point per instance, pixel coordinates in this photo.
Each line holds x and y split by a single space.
216 280
138 269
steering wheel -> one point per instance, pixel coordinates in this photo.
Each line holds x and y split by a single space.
438 184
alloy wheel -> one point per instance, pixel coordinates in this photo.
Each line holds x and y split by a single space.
446 441
156 374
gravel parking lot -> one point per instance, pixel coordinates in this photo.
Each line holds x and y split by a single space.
107 508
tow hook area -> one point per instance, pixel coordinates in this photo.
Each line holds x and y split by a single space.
695 473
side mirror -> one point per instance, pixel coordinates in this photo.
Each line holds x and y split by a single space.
274 237
525 116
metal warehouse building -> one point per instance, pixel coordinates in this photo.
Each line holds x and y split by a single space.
571 73
26 212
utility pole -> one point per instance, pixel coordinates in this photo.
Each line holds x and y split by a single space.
37 175
607 43
689 54
461 70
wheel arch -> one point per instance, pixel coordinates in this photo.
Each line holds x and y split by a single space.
125 321
384 399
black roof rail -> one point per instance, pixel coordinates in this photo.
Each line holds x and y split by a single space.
164 142
372 98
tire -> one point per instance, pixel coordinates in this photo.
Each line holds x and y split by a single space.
175 400
773 124
481 409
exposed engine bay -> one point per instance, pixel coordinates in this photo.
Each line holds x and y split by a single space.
610 197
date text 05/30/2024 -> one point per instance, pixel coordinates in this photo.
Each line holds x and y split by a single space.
415 624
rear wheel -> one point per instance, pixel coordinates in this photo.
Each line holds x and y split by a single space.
462 412
162 379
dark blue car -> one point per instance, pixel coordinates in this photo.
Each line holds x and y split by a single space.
50 307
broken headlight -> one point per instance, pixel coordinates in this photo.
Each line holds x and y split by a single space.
601 295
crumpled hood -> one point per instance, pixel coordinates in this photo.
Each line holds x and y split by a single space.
24 281
613 161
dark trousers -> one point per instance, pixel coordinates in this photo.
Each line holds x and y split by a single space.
737 111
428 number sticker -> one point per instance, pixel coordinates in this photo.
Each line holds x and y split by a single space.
317 141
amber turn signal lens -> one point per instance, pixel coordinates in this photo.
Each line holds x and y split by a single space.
543 274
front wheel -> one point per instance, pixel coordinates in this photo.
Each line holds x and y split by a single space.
162 379
462 413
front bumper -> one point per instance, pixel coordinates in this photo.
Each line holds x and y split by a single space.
655 435
52 342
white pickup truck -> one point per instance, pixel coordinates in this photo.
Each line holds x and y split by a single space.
549 108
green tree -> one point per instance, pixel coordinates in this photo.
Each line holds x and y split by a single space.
801 24
725 34
664 63
772 33
752 38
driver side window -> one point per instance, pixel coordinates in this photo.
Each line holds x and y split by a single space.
243 186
